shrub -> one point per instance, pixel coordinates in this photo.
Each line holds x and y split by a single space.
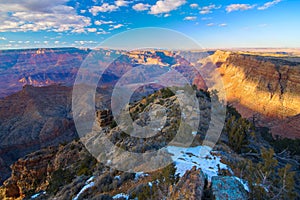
237 131
59 178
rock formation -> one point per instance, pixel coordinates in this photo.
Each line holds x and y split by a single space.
190 186
32 119
226 187
269 86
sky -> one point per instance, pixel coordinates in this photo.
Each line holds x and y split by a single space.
87 23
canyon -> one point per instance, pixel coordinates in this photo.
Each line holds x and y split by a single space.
36 97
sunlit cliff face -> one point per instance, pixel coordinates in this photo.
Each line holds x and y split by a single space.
259 84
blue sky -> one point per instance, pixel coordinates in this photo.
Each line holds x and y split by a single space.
86 23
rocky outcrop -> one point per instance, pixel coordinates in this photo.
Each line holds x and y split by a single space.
226 187
29 174
269 86
190 186
104 117
45 169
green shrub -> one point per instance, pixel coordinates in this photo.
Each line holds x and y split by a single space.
59 178
237 131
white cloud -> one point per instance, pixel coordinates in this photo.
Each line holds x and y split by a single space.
79 30
269 4
121 3
36 15
223 25
167 15
190 18
30 5
194 5
165 6
210 24
237 7
113 27
82 11
84 42
3 38
91 30
102 32
141 7
101 22
208 9
103 8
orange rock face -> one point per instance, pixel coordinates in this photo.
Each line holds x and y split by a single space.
269 86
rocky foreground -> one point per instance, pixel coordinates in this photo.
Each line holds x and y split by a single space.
231 170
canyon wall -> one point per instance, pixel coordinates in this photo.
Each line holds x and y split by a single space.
266 87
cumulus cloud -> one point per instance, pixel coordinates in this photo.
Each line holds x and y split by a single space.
117 26
208 9
92 30
165 6
269 4
36 15
190 18
3 38
103 8
121 3
210 24
194 5
101 22
237 7
30 5
141 7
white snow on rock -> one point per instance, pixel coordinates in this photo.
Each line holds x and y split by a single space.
37 195
89 183
200 156
244 183
140 175
121 195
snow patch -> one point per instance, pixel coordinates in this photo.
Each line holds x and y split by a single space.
244 183
121 195
194 133
88 184
200 156
140 175
37 195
